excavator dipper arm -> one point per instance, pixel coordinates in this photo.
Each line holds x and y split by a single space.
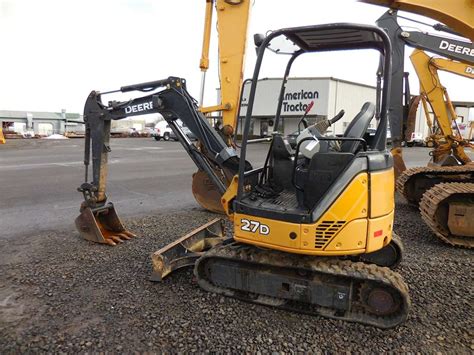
98 220
447 47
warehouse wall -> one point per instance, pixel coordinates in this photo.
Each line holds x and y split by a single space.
349 97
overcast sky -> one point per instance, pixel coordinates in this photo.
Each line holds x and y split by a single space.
54 52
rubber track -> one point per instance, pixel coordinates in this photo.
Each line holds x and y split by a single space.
358 271
409 176
434 198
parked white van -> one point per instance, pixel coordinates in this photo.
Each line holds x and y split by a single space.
162 130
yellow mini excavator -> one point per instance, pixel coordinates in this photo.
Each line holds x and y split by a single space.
444 190
312 228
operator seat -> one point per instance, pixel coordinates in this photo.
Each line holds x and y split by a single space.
326 167
357 127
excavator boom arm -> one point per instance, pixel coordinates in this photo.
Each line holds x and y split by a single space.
456 14
173 103
232 26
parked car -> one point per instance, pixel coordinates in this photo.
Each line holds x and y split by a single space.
132 132
416 139
162 131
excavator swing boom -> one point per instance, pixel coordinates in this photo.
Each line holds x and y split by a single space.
98 220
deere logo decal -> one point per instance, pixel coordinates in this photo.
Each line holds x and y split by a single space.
456 48
139 107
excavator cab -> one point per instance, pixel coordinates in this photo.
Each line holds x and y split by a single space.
312 227
291 203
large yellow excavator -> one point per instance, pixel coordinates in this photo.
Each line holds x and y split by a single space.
232 27
447 184
436 136
447 141
448 206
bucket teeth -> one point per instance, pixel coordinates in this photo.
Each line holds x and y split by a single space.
124 236
102 225
110 242
116 238
129 234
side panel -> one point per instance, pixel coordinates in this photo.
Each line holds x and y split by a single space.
382 197
380 232
351 237
347 218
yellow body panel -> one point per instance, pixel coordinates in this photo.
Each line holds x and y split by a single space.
229 195
277 238
342 230
382 198
2 137
380 232
352 237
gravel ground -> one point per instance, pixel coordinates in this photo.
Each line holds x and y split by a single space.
59 293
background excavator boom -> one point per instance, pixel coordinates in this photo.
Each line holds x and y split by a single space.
232 27
456 14
436 95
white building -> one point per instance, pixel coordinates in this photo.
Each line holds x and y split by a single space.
329 95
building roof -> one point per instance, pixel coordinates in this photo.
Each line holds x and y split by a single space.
6 114
467 104
321 78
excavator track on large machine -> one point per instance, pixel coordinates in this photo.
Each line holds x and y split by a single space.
414 182
325 286
446 209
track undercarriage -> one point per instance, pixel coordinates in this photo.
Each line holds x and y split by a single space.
329 287
348 288
445 196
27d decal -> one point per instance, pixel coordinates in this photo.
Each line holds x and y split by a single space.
254 226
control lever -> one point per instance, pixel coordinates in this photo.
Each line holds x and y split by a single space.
337 117
323 125
303 119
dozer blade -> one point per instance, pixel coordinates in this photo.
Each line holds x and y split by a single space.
102 225
206 192
186 250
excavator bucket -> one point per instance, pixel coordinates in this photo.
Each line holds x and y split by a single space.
186 250
102 225
206 192
398 162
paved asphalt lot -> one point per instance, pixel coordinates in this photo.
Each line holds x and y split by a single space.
38 180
